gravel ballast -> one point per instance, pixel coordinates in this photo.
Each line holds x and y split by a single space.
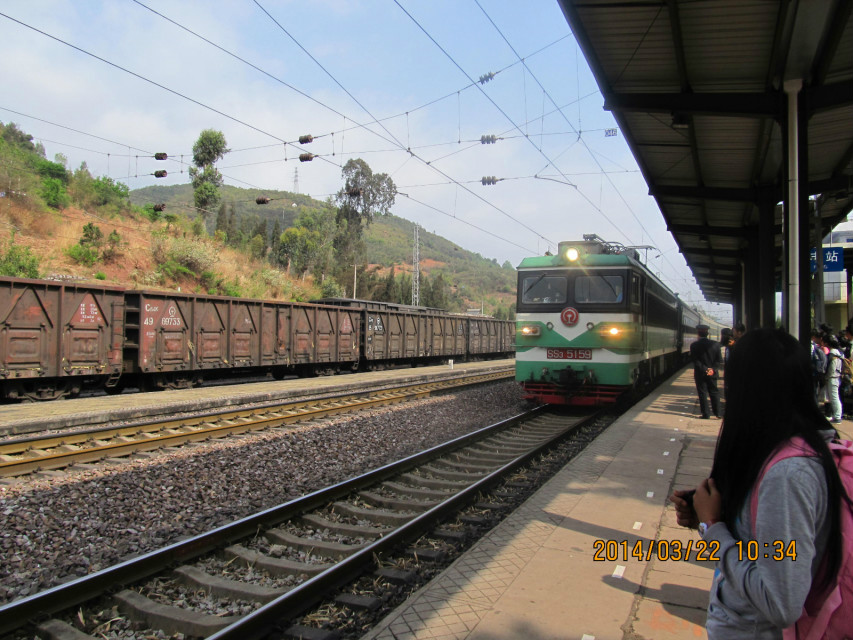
53 529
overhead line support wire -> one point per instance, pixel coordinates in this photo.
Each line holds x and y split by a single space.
400 144
470 224
465 73
592 155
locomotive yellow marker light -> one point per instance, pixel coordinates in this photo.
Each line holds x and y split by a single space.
530 330
613 331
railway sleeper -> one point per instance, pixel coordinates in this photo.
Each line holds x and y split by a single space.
342 528
324 548
480 456
524 441
358 602
447 474
397 504
448 535
465 466
60 630
416 492
301 632
433 483
274 566
490 447
472 454
377 516
424 554
170 619
399 577
225 588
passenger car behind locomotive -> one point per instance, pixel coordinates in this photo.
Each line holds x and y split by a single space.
593 321
57 338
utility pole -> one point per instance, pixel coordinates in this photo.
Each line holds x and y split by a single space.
416 273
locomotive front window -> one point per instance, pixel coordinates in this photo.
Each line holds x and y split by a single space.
599 288
543 289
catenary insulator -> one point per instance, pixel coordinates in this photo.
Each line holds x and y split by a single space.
486 77
306 157
487 180
262 200
161 156
491 139
160 173
159 207
306 139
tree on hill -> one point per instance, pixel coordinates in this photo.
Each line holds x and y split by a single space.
307 245
364 195
206 179
17 138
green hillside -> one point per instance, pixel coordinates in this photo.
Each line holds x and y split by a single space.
474 281
70 224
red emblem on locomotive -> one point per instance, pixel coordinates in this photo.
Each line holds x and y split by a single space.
569 316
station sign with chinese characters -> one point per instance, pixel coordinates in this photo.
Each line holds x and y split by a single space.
833 259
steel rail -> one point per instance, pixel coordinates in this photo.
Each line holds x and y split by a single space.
14 614
203 427
296 601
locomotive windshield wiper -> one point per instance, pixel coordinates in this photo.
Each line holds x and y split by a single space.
535 282
612 288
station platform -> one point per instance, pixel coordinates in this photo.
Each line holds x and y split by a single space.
535 576
21 418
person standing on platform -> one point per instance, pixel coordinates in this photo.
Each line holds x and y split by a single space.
707 360
774 484
738 330
727 341
833 376
818 362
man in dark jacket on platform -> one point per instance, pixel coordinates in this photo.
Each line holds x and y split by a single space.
707 361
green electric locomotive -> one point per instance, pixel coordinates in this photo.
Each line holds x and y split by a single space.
593 322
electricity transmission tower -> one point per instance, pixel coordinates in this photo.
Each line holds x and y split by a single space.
416 272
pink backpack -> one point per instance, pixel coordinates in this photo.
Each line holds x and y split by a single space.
824 617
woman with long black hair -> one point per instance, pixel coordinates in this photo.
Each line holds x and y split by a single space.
760 587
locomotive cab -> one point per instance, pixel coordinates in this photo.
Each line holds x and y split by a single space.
582 324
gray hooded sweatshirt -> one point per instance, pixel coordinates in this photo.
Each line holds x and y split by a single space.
758 599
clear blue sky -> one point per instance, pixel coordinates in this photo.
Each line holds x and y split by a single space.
331 68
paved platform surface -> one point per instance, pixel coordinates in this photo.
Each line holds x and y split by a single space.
25 417
534 577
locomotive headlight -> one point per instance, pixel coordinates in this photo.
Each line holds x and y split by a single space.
572 254
530 330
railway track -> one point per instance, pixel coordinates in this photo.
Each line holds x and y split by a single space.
315 544
20 456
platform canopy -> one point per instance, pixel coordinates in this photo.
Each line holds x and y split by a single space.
706 93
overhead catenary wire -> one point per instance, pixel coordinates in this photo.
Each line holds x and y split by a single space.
505 177
550 162
592 155
237 119
398 142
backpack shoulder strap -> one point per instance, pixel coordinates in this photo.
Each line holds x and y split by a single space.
795 447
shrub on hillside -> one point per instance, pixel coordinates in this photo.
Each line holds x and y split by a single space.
18 261
53 193
331 289
86 256
195 255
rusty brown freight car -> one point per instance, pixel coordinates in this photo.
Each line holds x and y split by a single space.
175 340
402 334
56 338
